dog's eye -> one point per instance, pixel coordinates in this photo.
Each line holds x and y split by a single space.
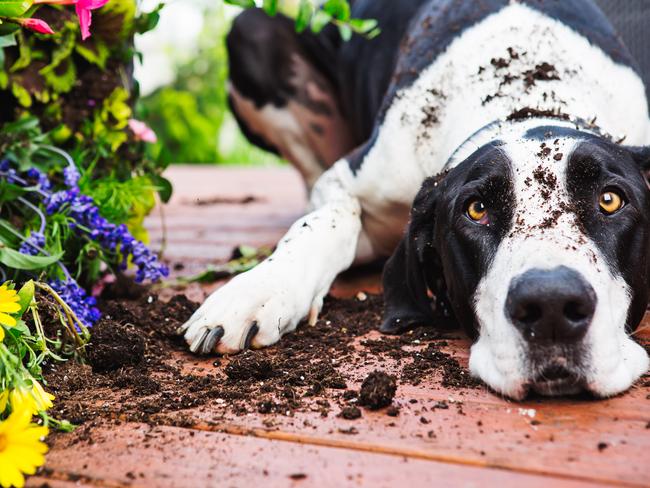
477 211
611 202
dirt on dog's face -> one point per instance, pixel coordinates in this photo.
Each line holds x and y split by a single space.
538 245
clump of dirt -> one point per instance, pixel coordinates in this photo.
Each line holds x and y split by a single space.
541 72
115 345
547 181
529 112
377 390
350 413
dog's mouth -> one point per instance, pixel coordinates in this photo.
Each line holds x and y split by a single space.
556 380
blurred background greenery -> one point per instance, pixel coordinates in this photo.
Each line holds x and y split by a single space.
183 86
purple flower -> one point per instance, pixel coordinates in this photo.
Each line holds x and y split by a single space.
71 176
33 244
85 218
41 178
78 300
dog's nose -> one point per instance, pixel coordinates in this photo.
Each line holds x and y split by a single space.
554 305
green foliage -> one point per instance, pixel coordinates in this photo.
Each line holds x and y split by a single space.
81 91
316 15
14 8
191 116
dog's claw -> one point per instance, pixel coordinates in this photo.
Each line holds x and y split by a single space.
252 332
198 340
211 340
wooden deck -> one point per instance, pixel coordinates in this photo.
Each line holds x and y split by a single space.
479 440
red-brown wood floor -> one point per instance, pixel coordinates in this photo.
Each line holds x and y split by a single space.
480 440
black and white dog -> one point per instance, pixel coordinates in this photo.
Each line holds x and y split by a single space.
522 125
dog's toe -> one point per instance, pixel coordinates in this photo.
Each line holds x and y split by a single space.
252 332
211 339
197 339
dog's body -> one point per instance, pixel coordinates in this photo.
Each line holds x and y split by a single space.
506 101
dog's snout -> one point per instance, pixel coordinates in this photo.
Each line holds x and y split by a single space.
551 305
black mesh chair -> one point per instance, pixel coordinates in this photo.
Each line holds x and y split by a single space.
632 20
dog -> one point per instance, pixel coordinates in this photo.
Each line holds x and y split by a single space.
508 138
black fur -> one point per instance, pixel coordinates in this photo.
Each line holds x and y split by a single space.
624 237
440 232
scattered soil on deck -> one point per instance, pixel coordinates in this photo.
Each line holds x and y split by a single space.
136 371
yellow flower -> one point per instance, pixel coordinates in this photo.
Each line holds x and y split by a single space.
4 396
8 305
21 448
35 399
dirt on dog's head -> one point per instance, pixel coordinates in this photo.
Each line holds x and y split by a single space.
537 243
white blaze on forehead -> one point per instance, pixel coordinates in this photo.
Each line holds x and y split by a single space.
545 234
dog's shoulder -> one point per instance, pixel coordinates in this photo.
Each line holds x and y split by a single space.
441 22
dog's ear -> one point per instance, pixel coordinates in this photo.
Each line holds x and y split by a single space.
414 287
641 155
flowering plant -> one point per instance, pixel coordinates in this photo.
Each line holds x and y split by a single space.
24 346
49 226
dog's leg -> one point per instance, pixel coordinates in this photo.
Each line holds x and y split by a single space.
282 91
256 308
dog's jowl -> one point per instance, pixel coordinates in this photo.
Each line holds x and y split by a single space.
515 131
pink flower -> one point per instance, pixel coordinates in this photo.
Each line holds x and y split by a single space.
37 25
84 11
142 131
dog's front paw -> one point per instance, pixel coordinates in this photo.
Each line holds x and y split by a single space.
254 310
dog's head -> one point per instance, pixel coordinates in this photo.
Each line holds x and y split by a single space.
538 244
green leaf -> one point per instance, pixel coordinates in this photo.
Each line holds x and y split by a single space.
339 9
96 52
63 79
26 295
7 40
270 7
363 26
14 259
25 55
319 21
22 95
9 191
346 32
14 8
148 21
305 12
241 3
164 187
8 28
20 329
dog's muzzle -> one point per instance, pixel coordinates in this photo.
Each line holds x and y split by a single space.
551 306
553 310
